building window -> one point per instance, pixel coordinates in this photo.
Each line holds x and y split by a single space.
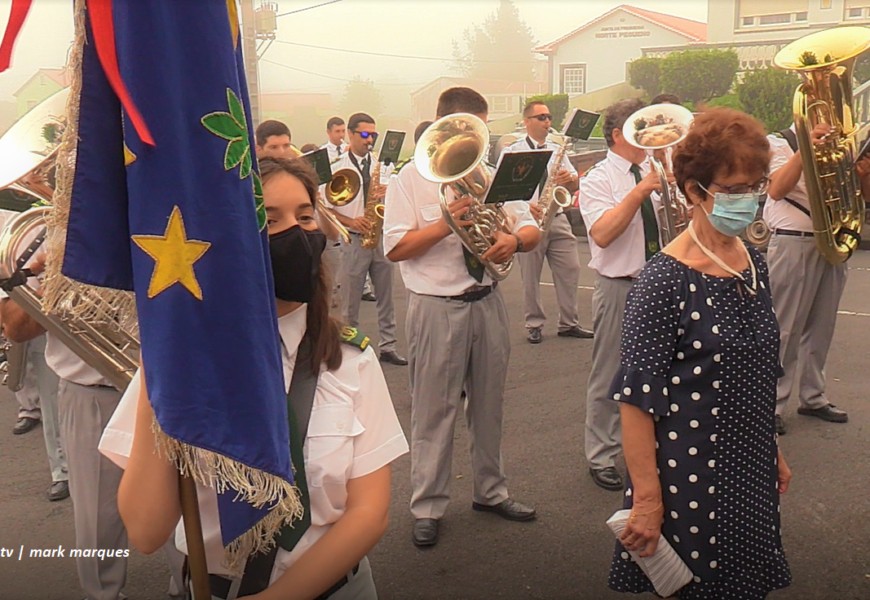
775 19
800 17
855 13
748 21
573 79
498 104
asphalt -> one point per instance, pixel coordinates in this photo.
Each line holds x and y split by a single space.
566 552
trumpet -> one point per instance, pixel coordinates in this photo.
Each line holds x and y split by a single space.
341 189
658 127
452 152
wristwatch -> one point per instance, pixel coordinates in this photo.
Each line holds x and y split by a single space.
519 243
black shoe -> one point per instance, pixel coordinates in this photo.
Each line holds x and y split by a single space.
577 332
391 357
608 478
829 413
369 297
425 532
59 490
24 425
508 509
780 425
534 336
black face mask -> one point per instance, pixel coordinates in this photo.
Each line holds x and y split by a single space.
296 262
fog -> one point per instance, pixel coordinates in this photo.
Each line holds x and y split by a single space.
420 28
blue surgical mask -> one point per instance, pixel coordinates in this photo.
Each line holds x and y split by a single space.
732 213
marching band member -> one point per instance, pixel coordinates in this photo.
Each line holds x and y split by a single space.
335 132
623 235
559 246
458 337
356 261
274 139
353 433
806 288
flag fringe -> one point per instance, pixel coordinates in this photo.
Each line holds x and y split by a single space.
252 486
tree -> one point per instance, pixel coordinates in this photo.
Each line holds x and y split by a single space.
767 95
500 48
558 105
361 95
646 74
699 75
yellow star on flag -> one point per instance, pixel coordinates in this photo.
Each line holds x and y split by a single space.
174 256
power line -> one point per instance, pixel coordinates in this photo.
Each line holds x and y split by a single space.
384 54
277 64
293 12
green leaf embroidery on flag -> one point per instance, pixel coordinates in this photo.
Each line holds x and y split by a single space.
233 127
259 202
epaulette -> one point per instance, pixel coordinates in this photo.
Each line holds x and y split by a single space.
354 337
778 134
335 160
590 169
401 164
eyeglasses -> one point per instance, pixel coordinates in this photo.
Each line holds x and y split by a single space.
367 134
758 188
543 118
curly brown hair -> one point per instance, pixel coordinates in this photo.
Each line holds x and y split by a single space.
321 329
720 142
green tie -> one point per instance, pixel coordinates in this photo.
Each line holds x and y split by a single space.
650 225
474 266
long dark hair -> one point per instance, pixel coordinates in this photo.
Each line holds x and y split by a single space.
322 330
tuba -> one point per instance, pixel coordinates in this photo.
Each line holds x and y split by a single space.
554 197
107 339
825 61
452 152
659 127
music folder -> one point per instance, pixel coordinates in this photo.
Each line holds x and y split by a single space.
518 176
391 147
319 160
580 123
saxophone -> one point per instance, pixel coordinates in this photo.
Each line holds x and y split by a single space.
553 197
374 212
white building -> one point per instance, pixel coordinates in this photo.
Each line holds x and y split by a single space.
596 55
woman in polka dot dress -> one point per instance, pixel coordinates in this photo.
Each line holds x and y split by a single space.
697 384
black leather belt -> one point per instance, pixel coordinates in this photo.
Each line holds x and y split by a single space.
625 278
792 233
220 586
473 295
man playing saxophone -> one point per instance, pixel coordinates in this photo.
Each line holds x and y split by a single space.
558 246
358 217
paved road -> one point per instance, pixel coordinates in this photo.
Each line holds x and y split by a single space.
566 552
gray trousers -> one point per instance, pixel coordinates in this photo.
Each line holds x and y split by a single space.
93 486
806 292
603 428
40 381
559 247
356 263
454 345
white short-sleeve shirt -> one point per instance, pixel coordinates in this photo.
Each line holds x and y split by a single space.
602 189
779 214
526 144
413 203
353 431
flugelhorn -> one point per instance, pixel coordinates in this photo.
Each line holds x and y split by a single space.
452 152
825 61
659 127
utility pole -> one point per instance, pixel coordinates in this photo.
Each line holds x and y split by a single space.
249 51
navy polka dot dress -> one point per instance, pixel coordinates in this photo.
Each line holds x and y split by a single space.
701 355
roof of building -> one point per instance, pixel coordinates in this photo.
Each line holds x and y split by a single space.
485 86
59 76
694 31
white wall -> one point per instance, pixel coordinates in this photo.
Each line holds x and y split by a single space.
724 23
606 47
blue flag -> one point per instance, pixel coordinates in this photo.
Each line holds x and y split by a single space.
166 201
